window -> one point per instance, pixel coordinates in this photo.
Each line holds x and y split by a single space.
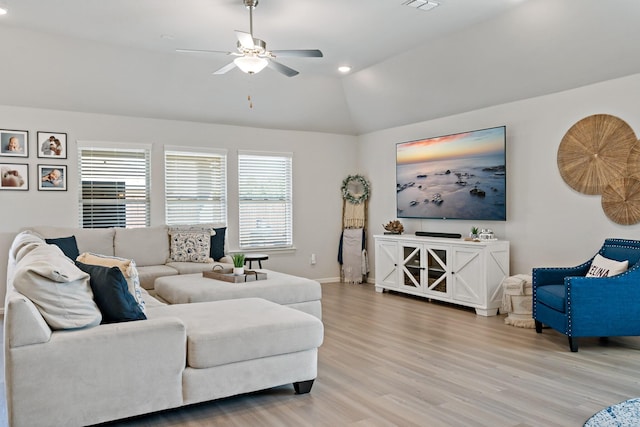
265 205
195 186
114 185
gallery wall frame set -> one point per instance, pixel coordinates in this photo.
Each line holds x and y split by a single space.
52 178
52 145
15 176
14 143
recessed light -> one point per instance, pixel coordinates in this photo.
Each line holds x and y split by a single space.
167 37
344 69
3 10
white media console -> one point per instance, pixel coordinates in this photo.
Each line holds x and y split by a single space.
453 270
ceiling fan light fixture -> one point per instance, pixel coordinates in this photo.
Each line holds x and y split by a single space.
250 64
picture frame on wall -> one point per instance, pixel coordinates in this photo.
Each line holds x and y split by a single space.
52 178
14 143
52 145
14 176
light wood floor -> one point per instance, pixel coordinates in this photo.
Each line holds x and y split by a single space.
394 360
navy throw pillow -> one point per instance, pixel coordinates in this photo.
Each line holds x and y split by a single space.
111 294
217 243
67 244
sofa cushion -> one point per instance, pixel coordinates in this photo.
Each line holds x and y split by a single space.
150 273
58 288
605 267
145 245
553 296
68 245
96 240
126 266
189 246
232 331
111 294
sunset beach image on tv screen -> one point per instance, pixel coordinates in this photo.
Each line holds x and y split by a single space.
458 176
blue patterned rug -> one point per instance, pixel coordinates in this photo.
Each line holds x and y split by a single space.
623 414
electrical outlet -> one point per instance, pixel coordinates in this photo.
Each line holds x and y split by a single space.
312 261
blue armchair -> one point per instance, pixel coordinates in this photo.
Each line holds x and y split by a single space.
578 306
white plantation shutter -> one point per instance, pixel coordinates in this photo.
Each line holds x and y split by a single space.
265 200
114 185
195 187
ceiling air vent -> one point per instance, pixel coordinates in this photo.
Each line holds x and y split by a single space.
421 4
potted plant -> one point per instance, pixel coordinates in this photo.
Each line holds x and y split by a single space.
238 264
474 232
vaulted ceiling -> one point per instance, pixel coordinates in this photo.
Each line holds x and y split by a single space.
408 65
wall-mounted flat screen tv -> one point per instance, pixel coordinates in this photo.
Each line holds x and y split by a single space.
459 176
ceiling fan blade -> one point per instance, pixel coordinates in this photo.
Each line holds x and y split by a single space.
245 39
305 53
287 71
226 68
202 51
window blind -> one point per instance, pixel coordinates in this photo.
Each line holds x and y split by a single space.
265 200
195 187
114 186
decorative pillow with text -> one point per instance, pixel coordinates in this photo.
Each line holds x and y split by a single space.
605 267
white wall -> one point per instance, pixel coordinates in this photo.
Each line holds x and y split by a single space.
548 223
320 163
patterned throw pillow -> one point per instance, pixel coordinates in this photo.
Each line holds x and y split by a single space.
189 246
128 268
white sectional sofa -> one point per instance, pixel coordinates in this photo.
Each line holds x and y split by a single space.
179 355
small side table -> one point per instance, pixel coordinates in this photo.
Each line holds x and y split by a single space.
255 257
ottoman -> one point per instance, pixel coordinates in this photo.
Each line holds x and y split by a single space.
517 301
285 289
244 345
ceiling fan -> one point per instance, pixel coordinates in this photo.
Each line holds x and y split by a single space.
252 54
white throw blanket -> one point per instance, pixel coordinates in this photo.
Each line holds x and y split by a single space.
354 262
354 215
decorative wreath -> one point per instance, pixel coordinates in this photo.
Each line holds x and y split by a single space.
359 181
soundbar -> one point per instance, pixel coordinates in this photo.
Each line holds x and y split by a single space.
436 234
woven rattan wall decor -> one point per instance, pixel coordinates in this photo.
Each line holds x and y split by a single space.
600 154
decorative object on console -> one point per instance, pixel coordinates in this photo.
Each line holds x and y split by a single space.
474 232
600 155
486 234
394 227
432 176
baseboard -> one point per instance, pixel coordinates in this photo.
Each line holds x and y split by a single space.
328 280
